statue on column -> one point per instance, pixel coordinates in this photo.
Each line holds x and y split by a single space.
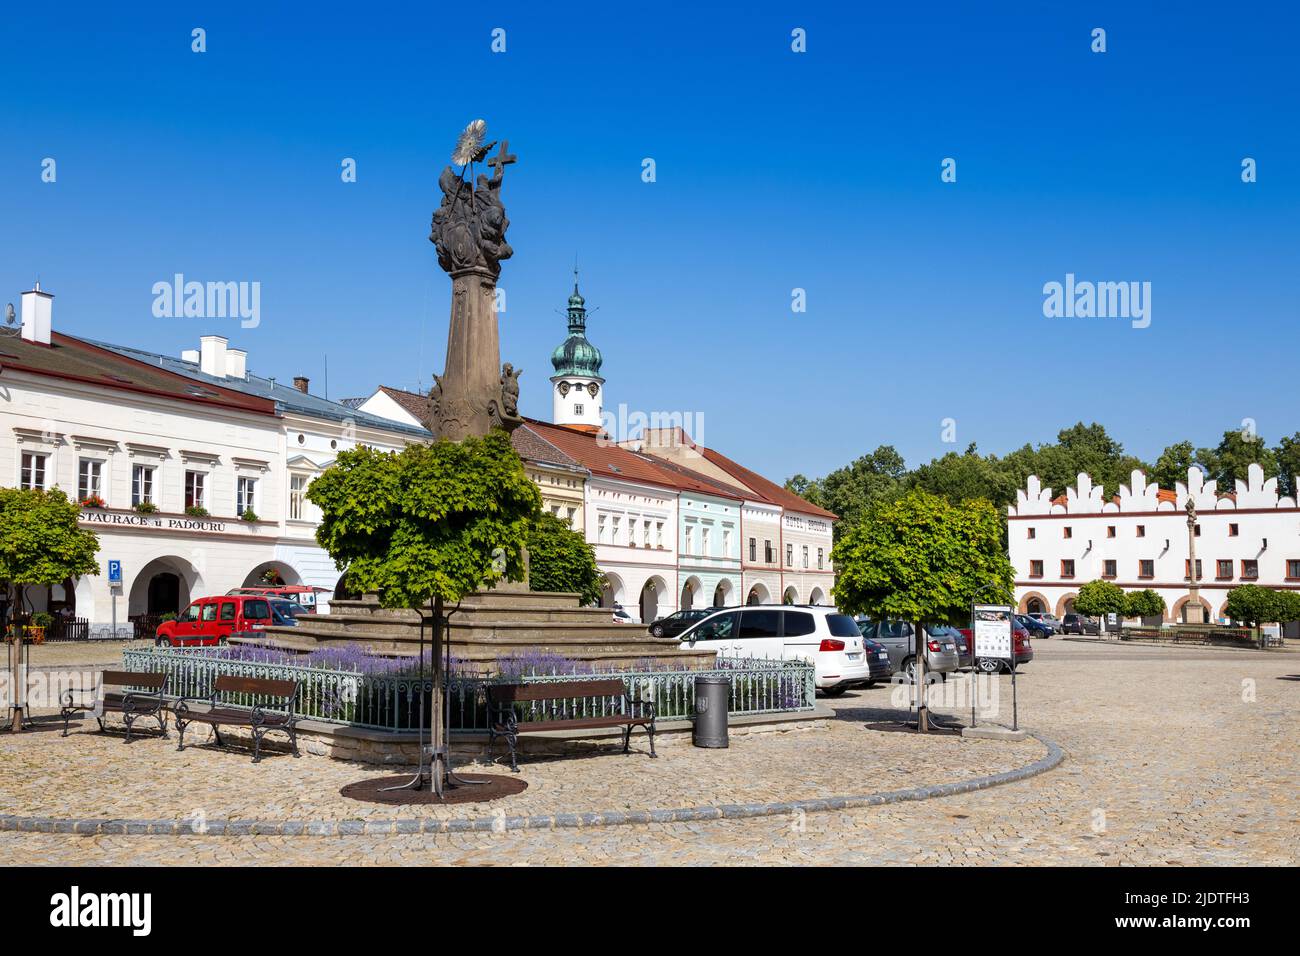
476 392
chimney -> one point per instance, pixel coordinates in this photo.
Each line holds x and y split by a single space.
212 355
300 383
236 363
37 310
190 355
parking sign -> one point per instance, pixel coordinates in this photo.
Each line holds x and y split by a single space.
114 572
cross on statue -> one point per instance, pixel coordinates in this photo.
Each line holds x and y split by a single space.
501 160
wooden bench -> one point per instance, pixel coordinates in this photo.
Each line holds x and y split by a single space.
222 711
131 704
503 721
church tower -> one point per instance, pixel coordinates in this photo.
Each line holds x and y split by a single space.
576 386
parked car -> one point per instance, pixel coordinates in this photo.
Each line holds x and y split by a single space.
823 635
285 613
674 624
965 650
877 656
1022 649
897 637
213 620
1079 624
302 594
1035 628
1043 617
621 616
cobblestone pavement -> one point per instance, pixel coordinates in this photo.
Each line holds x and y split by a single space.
1173 756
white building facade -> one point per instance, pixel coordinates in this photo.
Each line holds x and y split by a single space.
192 472
1139 539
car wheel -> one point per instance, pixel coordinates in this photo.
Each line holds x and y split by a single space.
909 669
162 642
990 666
657 630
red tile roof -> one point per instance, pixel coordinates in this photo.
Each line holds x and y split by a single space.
765 489
605 459
74 359
413 403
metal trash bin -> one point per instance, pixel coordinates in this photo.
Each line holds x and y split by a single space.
712 701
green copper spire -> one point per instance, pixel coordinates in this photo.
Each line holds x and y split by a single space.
575 355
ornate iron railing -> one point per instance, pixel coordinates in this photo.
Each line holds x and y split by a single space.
396 702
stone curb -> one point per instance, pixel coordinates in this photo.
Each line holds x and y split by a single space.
96 826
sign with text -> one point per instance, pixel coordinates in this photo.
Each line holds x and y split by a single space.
114 572
991 628
125 519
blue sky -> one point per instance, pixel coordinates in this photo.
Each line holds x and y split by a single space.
775 171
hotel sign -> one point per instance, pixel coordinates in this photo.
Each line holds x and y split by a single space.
156 522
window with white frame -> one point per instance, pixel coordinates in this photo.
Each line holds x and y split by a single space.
705 535
726 542
33 470
245 495
89 474
600 528
690 541
297 495
142 485
645 533
195 489
789 556
615 536
659 533
805 556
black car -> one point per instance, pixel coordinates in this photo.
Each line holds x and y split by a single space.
1079 624
1035 628
285 613
878 660
674 624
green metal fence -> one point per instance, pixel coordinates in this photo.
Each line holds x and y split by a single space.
396 702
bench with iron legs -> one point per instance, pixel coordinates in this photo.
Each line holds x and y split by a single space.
135 695
225 710
504 721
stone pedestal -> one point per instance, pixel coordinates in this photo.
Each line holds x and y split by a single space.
469 401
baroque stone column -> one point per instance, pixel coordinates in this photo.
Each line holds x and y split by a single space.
471 386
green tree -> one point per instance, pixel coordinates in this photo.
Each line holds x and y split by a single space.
1099 598
922 559
560 559
1287 454
1171 467
851 491
1144 603
967 476
40 542
1254 605
1228 461
426 526
1288 606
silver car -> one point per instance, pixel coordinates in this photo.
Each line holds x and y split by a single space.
898 639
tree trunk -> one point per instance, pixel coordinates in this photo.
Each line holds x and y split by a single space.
438 737
922 717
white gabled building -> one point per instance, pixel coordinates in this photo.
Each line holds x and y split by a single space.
1138 539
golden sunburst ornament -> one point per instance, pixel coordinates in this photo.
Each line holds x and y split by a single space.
469 143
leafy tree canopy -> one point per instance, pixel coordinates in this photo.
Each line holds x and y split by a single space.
431 520
1287 453
40 542
1228 461
852 490
1171 467
922 558
1098 598
1254 605
560 559
1144 603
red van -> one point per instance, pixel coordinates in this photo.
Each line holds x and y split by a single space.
211 620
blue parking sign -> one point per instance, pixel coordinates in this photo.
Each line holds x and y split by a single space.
114 572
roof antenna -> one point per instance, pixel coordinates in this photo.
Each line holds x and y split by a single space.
327 377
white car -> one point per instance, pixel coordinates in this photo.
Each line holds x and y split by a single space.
831 640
